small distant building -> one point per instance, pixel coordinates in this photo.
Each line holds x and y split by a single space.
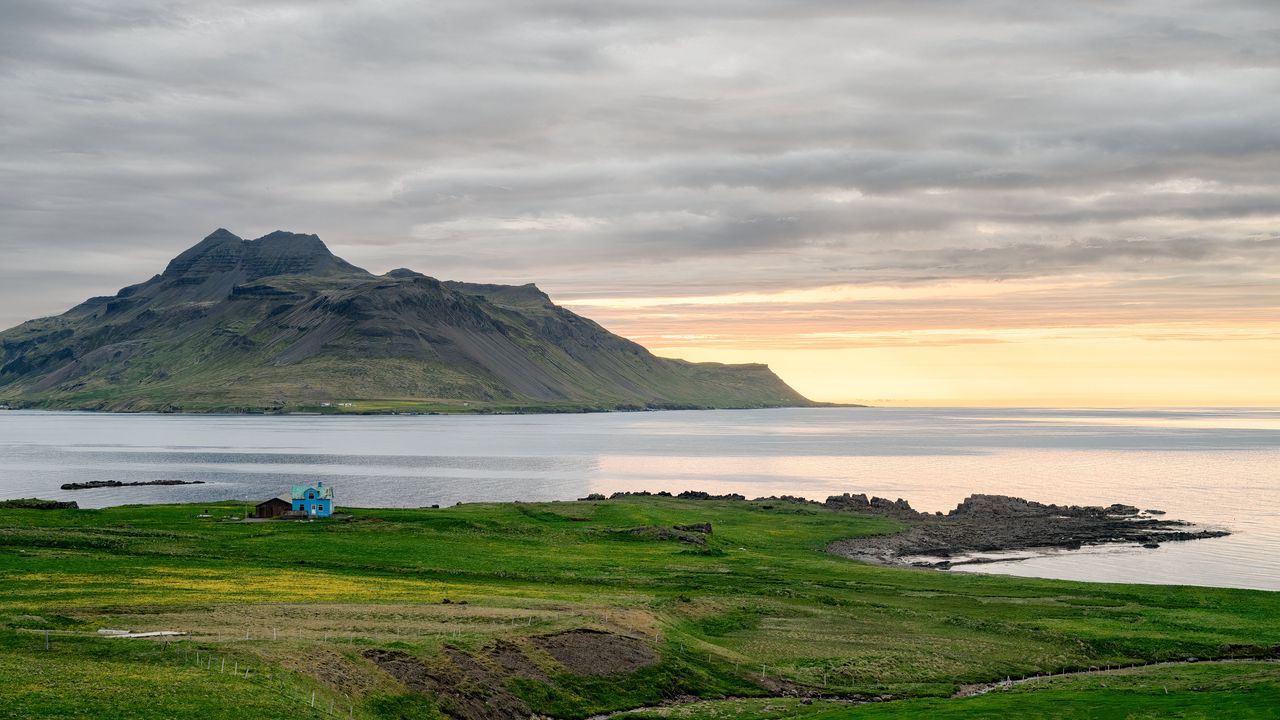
275 507
314 500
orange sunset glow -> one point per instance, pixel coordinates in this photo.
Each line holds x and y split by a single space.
1072 205
975 343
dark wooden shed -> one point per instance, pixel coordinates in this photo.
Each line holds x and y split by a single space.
274 507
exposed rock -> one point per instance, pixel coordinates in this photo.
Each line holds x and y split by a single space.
881 506
116 483
700 495
990 506
994 523
794 499
38 504
639 493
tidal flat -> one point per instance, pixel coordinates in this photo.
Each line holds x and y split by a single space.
578 609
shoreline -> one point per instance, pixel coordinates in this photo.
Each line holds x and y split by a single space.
966 537
1000 524
571 609
463 410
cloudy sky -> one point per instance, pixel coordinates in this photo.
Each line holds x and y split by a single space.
899 202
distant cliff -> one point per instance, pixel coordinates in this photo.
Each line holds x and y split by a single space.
280 324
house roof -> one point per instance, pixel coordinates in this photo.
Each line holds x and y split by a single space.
323 492
281 498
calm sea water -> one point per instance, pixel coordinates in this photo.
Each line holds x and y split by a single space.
1220 468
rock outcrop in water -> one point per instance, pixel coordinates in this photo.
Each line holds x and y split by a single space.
997 523
94 484
981 523
881 506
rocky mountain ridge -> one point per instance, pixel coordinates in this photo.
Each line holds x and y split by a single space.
281 324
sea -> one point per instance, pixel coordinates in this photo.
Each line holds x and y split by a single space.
1219 468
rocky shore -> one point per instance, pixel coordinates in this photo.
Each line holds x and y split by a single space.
998 523
979 524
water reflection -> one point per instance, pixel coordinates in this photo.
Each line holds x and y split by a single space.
1213 466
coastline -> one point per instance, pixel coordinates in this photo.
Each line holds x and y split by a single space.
983 524
418 409
562 609
933 458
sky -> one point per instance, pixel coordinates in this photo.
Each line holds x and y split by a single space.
915 202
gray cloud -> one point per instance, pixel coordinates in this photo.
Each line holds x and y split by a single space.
643 147
1032 260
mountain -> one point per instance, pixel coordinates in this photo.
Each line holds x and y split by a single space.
281 324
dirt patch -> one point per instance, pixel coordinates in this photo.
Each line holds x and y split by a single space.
653 532
703 527
591 652
513 661
464 688
330 668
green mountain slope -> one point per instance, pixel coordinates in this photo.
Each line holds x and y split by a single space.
281 324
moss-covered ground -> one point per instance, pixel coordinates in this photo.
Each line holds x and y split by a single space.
758 611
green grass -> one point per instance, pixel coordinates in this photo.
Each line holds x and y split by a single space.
759 604
1202 692
91 678
346 349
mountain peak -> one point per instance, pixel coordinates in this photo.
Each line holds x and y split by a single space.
219 331
222 234
286 236
402 273
226 255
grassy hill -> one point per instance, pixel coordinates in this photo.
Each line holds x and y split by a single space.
572 609
280 324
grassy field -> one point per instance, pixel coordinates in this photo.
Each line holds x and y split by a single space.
1200 691
758 610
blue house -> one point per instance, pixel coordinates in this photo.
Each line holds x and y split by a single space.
314 500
